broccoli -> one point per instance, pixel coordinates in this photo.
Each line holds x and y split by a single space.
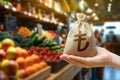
18 37
26 43
4 35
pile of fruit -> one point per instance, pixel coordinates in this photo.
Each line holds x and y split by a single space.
49 34
17 62
45 53
24 31
22 50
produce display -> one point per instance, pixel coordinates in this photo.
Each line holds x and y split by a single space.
6 2
24 52
45 53
49 34
33 40
41 41
22 56
24 31
15 61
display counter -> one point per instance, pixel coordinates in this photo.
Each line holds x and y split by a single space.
67 73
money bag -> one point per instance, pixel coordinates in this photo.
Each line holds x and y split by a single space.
80 39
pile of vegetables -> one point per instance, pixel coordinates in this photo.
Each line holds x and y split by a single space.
24 31
33 40
18 39
4 35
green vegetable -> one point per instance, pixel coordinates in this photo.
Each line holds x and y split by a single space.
55 47
52 43
16 43
39 41
26 43
35 39
4 35
33 33
44 43
18 37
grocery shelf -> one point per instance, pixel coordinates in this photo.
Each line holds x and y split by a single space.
47 8
25 15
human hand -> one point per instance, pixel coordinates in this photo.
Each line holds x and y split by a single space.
102 58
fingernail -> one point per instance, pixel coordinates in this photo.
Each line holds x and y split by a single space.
64 54
71 56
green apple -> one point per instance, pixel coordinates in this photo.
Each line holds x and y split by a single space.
11 53
4 62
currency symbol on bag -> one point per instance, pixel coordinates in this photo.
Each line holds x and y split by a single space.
80 38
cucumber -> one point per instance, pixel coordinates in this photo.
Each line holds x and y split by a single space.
33 33
35 38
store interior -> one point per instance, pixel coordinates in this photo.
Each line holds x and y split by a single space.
33 34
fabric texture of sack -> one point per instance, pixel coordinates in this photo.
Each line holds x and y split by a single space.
80 40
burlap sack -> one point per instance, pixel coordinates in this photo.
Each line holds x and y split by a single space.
80 40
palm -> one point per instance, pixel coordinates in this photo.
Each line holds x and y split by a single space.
102 58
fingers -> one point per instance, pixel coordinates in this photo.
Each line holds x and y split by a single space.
65 57
71 60
86 62
99 60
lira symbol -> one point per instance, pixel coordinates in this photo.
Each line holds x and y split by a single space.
80 38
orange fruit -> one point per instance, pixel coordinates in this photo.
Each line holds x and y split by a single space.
21 52
36 67
40 67
43 64
25 53
36 58
21 62
29 61
18 51
7 43
31 70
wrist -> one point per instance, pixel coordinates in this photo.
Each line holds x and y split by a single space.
115 61
110 61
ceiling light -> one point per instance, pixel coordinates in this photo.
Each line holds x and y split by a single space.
96 18
6 6
93 14
96 4
25 12
109 8
89 10
14 9
110 4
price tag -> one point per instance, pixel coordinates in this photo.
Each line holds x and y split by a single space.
39 26
10 23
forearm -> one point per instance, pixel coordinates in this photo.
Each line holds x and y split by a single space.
115 60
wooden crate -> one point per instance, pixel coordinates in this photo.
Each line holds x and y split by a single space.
40 75
56 65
